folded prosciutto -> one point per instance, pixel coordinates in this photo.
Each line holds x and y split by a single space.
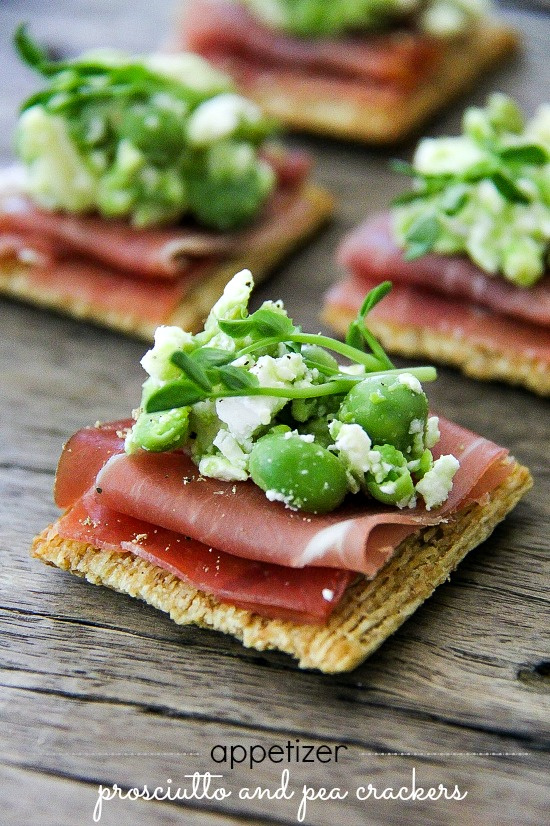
371 78
445 307
228 539
106 266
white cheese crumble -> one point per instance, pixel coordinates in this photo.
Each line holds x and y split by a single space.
411 382
156 362
432 434
436 484
219 117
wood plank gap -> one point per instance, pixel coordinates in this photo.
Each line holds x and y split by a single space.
164 711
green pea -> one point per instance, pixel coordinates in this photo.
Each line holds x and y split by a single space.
318 428
303 474
397 485
386 409
318 357
158 133
160 431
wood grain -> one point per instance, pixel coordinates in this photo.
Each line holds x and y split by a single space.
98 688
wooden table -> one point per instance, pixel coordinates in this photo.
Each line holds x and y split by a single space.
100 689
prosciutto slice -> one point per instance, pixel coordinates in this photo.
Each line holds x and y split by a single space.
166 490
298 595
371 255
165 253
220 30
91 286
421 309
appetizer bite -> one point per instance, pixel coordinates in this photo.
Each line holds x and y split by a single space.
270 492
145 183
366 70
467 249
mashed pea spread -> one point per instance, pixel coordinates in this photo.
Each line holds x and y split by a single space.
151 139
485 193
252 396
310 18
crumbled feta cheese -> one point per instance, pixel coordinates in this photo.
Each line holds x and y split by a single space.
411 382
234 298
156 361
219 467
354 446
432 434
276 372
352 369
279 496
243 415
230 448
219 117
436 484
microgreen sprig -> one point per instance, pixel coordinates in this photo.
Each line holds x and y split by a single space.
79 82
208 373
501 167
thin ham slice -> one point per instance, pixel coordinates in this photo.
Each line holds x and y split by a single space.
92 287
167 491
298 595
370 253
152 253
220 31
421 309
162 254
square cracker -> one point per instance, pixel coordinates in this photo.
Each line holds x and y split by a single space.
383 120
370 611
488 361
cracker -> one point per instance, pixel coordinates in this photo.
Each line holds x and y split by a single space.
370 611
475 359
316 208
287 98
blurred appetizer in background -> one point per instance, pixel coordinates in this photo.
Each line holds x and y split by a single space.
144 184
467 249
269 491
366 70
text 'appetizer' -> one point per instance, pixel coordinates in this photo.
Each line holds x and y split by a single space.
467 249
367 70
270 492
144 184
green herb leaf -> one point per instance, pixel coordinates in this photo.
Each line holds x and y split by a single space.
28 50
178 393
270 323
422 236
409 197
237 378
211 357
454 199
354 336
508 189
530 153
192 369
373 297
403 168
237 327
264 322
